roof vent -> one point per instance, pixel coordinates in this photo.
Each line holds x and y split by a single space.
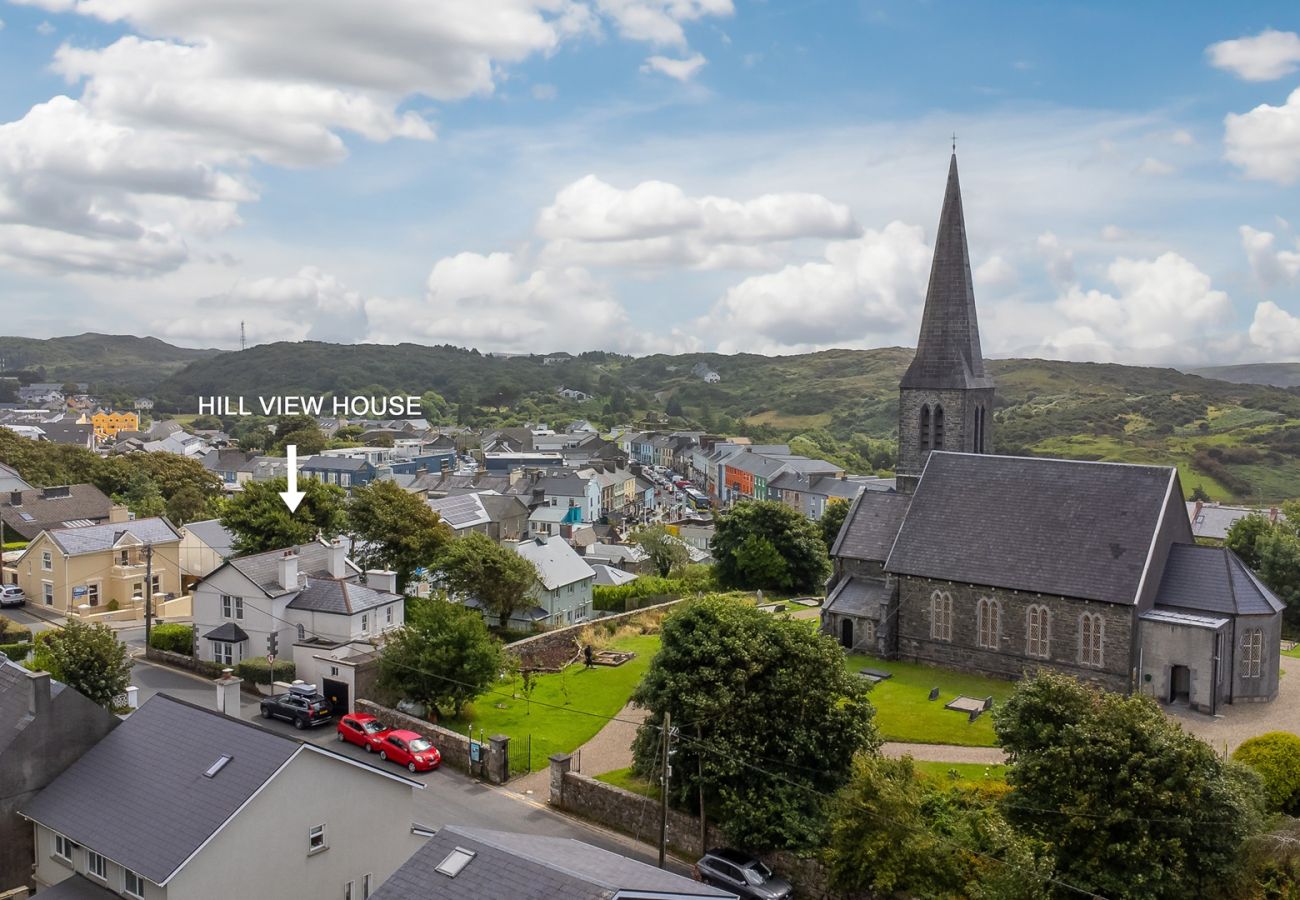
217 766
456 860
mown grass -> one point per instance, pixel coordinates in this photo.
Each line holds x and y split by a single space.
630 781
950 772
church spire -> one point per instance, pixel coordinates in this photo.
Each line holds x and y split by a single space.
948 350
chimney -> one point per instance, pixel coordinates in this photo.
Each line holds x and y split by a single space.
338 559
15 498
38 699
228 693
118 513
381 580
289 571
1196 510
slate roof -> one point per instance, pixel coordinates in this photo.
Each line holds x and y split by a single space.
214 535
608 575
263 569
1210 520
1213 580
858 596
948 350
1052 526
563 485
78 887
341 597
96 538
69 433
530 867
114 799
227 631
10 480
15 695
41 509
333 464
871 526
461 510
557 563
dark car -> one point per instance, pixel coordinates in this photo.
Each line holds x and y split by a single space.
741 874
303 705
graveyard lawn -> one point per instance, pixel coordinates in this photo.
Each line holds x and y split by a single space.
977 774
905 712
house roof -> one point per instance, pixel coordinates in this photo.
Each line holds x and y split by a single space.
214 535
616 552
1210 520
263 569
461 510
530 867
15 697
96 538
68 433
51 507
339 596
1214 580
871 526
501 507
608 575
563 485
551 514
858 596
557 563
10 480
1052 526
227 631
334 464
78 887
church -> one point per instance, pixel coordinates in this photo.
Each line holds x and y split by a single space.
1005 565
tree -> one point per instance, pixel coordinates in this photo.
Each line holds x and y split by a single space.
187 505
396 529
766 544
1279 568
674 408
1275 757
666 552
1243 535
260 521
87 658
770 719
142 497
1122 793
496 576
443 656
832 521
1199 494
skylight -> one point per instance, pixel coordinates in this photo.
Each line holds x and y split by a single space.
456 860
217 766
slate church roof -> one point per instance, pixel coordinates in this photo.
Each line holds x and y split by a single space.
1051 526
1213 580
871 526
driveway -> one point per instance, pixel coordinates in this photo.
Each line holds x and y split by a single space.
1239 721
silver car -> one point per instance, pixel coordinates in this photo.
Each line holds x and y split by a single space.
12 595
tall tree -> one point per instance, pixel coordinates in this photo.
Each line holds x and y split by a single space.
443 656
496 576
766 544
832 521
666 552
1123 794
260 521
87 658
395 529
770 719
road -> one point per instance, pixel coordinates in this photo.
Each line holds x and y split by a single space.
448 798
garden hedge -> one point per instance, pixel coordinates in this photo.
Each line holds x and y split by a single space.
173 637
257 670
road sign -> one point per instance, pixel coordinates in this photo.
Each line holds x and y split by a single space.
270 659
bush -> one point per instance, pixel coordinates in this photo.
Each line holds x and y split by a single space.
112 606
16 652
257 670
1275 756
650 589
173 637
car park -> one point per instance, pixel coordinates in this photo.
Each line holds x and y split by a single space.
302 705
12 595
406 748
362 729
742 874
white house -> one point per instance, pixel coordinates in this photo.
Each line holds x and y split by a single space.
564 582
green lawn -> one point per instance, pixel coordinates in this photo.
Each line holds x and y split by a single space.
580 700
944 771
1294 652
625 779
904 711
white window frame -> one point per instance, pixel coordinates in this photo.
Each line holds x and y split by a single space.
1092 635
317 840
136 892
365 623
96 865
232 607
223 652
62 849
1038 631
988 623
137 590
92 594
941 616
1252 653
388 614
365 886
155 584
47 592
47 561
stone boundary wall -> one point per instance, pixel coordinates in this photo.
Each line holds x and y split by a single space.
545 643
453 745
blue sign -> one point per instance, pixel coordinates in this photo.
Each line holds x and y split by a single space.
474 750
80 592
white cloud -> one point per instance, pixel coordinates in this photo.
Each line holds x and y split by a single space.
1182 138
1113 233
660 21
1153 166
996 272
1265 142
544 92
1265 57
1276 332
45 29
1269 264
680 69
1058 258
866 292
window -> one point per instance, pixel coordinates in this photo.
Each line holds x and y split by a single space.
1038 631
1091 631
316 839
47 561
925 428
388 615
869 631
132 884
63 848
365 886
938 428
941 616
223 652
96 865
232 607
124 557
155 583
92 594
47 589
137 591
365 623
988 623
1252 653
347 891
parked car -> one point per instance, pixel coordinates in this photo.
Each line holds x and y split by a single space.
302 705
362 729
741 874
12 595
409 749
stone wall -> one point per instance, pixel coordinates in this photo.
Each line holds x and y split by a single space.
958 423
1011 660
453 746
543 646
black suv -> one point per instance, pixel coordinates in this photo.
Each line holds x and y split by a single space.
740 873
302 705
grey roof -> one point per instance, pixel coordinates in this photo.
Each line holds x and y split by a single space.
227 631
139 796
339 596
78 887
557 563
263 569
50 507
501 507
10 480
95 538
1167 616
563 485
871 526
608 575
68 433
858 596
1213 579
1053 526
1210 520
214 535
948 349
15 697
334 464
529 867
756 464
551 513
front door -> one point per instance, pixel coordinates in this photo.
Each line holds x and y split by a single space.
1180 684
846 633
337 694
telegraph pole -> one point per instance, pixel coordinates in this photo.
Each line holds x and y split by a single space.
663 793
704 825
148 595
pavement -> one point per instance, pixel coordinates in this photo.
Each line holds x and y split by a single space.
1239 721
609 749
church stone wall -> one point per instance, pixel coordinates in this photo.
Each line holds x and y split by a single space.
959 423
1011 660
1166 645
1248 690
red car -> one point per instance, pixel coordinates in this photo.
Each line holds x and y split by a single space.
411 750
363 730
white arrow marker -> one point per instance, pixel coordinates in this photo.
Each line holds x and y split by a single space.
293 496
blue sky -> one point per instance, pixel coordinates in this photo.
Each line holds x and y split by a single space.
651 175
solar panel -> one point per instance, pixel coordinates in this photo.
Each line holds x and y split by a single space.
459 511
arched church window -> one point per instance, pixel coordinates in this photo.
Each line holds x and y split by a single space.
1091 632
925 428
938 428
1037 631
979 429
941 616
1252 653
988 623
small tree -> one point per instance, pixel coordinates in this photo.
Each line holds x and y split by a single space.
665 551
396 529
87 658
832 521
766 544
260 521
496 576
1275 756
443 656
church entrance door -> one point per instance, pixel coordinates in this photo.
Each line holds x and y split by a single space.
1180 684
846 633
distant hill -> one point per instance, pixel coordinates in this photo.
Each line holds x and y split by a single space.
1276 374
120 360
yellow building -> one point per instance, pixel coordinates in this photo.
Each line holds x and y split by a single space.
82 570
110 423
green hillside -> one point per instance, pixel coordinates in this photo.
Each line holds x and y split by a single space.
1276 374
117 360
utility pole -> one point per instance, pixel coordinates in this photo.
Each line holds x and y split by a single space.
663 792
704 825
148 595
